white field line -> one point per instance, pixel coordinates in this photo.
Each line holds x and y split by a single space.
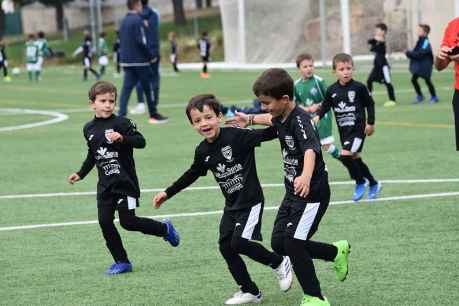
57 117
217 212
90 193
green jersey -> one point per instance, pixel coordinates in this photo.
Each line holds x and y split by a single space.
42 45
31 52
310 91
103 48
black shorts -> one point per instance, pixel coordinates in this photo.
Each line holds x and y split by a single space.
117 201
352 141
205 58
380 75
300 219
245 223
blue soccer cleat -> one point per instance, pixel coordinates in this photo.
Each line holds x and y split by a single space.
373 191
433 100
419 99
359 191
172 235
119 267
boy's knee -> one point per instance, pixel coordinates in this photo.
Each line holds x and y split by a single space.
225 248
127 222
239 245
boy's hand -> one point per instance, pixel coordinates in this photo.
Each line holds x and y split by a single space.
239 119
369 129
301 185
314 108
73 178
159 199
316 120
115 137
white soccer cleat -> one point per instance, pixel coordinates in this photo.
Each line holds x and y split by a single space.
244 298
139 109
284 274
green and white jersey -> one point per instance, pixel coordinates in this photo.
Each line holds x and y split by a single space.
31 52
42 45
310 91
103 48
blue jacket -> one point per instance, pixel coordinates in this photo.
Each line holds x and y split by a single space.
152 31
421 58
133 42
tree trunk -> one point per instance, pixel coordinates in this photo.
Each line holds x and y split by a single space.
60 16
199 4
208 3
179 12
2 23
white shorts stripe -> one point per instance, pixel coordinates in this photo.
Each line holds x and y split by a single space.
386 73
252 221
132 203
308 217
356 144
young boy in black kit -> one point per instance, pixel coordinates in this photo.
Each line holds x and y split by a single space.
229 153
306 184
111 141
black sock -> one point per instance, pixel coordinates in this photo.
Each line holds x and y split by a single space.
353 168
366 172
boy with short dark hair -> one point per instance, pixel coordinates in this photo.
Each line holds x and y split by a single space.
421 64
309 92
349 100
111 141
307 193
381 69
87 49
204 46
229 153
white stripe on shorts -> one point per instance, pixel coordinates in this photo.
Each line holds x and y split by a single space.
356 144
305 224
252 221
132 203
386 73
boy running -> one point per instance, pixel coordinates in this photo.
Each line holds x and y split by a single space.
111 141
43 51
204 51
381 69
103 54
229 153
349 100
32 53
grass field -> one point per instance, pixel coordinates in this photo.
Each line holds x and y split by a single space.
404 247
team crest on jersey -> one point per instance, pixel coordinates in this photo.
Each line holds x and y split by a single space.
227 153
313 91
290 142
351 95
106 137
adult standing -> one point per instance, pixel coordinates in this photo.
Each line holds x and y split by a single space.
449 51
135 57
151 21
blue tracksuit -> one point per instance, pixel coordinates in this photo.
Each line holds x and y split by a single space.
152 35
135 58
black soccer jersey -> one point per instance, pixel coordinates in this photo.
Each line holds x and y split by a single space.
87 48
231 159
2 54
349 103
297 135
204 47
114 160
379 49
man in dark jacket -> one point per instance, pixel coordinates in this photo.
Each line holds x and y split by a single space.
421 63
135 57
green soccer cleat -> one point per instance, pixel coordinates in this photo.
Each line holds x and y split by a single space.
390 103
314 301
341 264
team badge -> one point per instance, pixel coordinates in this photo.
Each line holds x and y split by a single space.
313 91
290 142
106 137
227 153
351 95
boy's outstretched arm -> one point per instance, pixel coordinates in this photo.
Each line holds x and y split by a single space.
243 120
86 167
189 177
